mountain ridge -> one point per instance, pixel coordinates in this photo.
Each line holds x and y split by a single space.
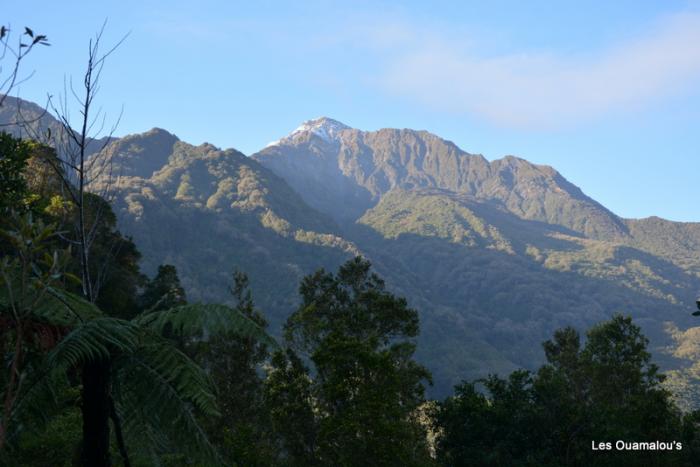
495 255
366 165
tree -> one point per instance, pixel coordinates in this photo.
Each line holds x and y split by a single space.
502 429
28 281
609 390
366 386
132 375
164 290
48 332
14 154
234 362
78 173
289 397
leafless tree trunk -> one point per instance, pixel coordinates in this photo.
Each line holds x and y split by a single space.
82 168
83 165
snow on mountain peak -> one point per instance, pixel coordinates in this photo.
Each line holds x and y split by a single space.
323 127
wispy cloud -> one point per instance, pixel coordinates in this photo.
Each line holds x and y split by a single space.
541 89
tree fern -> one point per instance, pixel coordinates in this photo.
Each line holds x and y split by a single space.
204 320
97 339
37 402
158 388
62 307
46 303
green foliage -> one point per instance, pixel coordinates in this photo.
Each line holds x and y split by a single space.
457 236
33 318
366 386
677 242
163 291
158 392
433 215
14 154
28 181
289 397
201 320
233 361
609 390
151 382
185 382
57 443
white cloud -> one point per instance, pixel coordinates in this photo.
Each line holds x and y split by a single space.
543 90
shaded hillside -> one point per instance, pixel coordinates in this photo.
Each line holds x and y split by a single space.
676 241
495 254
28 120
209 211
462 220
486 279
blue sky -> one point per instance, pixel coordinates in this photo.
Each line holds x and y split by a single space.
608 93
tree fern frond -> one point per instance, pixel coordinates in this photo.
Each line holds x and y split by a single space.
205 320
64 308
144 442
36 403
159 388
51 305
93 340
172 366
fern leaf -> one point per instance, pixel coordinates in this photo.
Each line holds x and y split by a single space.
36 403
93 340
159 388
205 320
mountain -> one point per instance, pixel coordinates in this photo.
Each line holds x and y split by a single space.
25 119
495 255
330 165
210 211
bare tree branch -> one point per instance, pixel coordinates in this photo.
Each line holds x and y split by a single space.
85 167
19 52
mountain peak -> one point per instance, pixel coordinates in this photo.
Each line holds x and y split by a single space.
321 123
323 127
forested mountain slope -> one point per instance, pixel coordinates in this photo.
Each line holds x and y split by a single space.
494 255
506 250
209 211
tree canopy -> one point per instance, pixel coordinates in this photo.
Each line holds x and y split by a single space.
607 390
366 387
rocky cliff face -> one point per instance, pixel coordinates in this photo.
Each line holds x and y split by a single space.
343 172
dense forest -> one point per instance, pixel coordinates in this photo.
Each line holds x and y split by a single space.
104 365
